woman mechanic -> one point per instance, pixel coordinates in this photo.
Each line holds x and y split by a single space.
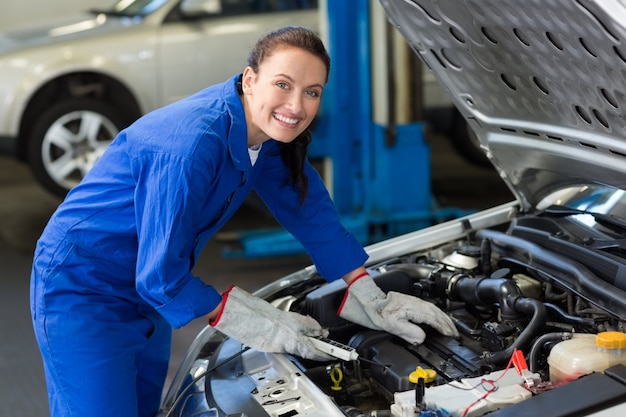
112 270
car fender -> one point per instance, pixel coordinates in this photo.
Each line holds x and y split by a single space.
129 61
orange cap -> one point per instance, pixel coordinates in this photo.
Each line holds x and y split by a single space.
611 340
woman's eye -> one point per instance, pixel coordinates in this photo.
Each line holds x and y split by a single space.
284 86
312 93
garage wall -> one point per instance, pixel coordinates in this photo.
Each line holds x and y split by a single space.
27 12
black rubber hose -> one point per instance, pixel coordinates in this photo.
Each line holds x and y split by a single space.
565 271
485 257
529 306
488 291
582 321
513 305
538 345
466 329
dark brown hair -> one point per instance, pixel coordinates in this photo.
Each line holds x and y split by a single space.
294 153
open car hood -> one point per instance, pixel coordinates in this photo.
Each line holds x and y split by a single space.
542 84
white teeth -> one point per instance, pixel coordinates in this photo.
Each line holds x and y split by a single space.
285 119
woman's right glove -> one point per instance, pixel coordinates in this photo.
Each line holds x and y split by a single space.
261 326
366 304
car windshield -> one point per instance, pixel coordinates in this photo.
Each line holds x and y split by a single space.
132 8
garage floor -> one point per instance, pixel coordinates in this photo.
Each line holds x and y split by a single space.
25 208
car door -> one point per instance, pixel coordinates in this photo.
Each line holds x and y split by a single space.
194 53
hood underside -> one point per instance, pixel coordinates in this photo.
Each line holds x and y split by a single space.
541 82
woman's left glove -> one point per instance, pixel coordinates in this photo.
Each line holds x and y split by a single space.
366 304
256 323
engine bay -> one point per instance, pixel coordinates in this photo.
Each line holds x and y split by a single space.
543 280
538 301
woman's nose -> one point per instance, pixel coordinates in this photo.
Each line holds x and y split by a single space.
295 102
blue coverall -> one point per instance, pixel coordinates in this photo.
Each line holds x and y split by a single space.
112 269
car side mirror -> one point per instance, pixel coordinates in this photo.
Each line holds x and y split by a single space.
194 8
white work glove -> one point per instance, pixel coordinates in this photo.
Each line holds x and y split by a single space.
366 304
259 325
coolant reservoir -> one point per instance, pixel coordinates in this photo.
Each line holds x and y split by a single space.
586 353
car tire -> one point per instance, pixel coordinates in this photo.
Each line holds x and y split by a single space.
68 138
465 142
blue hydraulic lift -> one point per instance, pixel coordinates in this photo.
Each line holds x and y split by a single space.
377 162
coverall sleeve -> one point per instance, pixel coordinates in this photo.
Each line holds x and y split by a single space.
168 207
316 223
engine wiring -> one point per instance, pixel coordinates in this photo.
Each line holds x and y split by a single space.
489 385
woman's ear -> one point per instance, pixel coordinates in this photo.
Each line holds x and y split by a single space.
247 79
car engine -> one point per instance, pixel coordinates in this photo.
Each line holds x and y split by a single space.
515 292
546 279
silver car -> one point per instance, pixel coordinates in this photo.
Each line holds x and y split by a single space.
68 87
536 287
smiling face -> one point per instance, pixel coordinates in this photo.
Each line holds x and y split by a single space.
283 96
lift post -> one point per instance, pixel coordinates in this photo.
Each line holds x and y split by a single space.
376 159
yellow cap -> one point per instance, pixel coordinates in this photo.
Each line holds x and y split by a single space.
336 376
429 375
611 340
